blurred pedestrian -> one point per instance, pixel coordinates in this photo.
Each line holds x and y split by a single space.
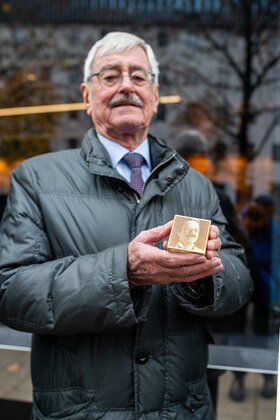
193 147
257 217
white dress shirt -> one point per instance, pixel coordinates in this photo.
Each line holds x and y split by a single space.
116 152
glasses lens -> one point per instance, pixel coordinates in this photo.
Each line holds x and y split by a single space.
140 78
109 78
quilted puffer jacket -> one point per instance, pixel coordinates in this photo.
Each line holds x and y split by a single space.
101 350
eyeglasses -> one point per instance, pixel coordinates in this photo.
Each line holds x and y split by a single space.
113 78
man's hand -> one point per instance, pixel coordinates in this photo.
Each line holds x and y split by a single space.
214 243
148 264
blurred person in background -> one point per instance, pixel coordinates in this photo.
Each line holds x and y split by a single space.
253 228
257 218
194 148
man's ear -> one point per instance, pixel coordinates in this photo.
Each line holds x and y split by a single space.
86 99
156 98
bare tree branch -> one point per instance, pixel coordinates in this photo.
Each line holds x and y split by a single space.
265 137
272 63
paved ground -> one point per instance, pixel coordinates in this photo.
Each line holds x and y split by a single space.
253 408
14 375
15 384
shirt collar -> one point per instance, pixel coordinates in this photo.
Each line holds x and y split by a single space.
116 151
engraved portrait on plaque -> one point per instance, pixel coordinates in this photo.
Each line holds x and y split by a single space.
189 234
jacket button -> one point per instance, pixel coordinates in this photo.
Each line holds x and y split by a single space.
119 188
142 357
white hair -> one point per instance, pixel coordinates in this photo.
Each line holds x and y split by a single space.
187 222
115 42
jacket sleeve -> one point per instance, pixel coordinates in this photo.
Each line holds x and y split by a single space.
40 294
228 290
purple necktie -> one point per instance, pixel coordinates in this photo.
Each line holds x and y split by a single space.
135 161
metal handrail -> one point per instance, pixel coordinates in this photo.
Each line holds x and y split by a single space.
221 356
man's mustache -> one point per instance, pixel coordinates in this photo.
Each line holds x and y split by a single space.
126 98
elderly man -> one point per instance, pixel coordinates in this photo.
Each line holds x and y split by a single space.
119 324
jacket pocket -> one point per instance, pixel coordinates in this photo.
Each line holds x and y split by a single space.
199 401
70 404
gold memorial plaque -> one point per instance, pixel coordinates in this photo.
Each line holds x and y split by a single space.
189 234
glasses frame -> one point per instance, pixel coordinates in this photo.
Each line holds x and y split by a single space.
150 77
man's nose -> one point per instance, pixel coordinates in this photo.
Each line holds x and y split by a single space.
126 83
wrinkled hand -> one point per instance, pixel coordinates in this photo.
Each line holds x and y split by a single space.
148 264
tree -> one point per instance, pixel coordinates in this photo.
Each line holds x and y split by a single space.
24 136
241 37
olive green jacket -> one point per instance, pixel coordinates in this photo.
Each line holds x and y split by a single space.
101 350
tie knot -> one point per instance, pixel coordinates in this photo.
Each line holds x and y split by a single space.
133 160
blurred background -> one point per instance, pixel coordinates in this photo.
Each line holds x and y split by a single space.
219 108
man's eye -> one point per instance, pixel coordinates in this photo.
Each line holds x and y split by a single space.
139 77
110 77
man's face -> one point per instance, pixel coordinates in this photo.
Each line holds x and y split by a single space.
190 232
132 115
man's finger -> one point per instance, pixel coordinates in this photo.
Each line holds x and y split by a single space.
214 232
154 235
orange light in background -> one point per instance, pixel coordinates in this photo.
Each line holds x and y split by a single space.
4 176
5 170
78 106
6 7
201 163
3 166
40 109
31 77
234 170
16 163
173 99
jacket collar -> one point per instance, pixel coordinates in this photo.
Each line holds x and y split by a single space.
95 154
100 163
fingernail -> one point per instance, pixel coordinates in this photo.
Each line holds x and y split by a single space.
216 262
218 269
201 259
